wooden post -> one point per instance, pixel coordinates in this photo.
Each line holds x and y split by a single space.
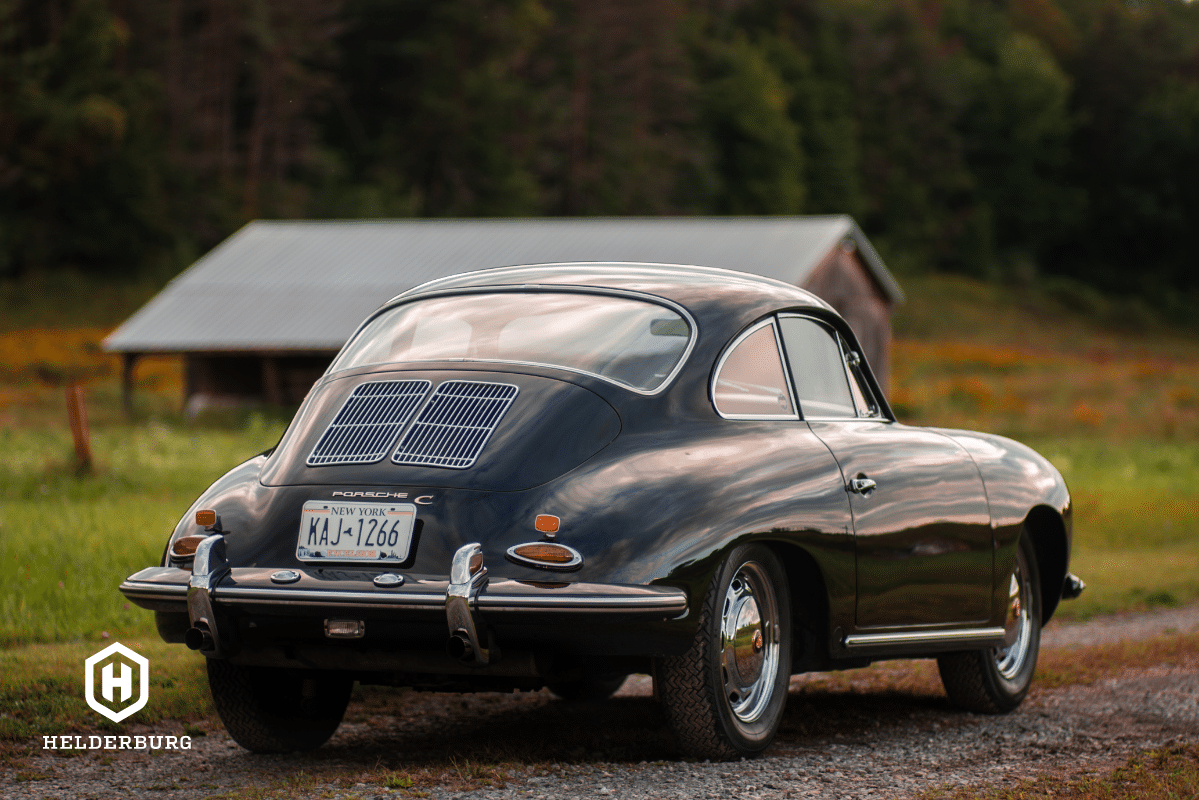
128 361
77 414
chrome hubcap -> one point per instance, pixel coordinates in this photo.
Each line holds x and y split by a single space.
749 649
1010 660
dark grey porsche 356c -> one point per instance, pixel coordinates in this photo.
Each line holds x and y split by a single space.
559 475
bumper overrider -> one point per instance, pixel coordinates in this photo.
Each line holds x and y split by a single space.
470 604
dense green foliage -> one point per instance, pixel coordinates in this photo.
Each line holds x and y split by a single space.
990 137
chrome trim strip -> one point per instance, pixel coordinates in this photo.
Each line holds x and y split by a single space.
249 594
728 351
857 640
396 302
153 591
673 603
668 604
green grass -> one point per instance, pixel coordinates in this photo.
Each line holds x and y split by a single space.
66 542
1130 494
41 689
1136 522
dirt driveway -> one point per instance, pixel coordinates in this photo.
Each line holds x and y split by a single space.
883 732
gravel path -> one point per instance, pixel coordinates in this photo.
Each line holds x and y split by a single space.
837 740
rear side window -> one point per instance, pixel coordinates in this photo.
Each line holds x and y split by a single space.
750 381
818 367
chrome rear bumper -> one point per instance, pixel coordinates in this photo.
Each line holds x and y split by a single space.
165 589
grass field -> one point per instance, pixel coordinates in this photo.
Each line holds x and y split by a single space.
1116 408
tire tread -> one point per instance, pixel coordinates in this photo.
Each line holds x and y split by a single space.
239 703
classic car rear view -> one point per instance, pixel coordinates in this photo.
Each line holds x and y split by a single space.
560 475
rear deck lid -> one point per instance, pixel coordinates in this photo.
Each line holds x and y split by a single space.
493 431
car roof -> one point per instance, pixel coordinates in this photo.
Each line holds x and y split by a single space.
695 288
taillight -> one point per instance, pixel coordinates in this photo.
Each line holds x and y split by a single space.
547 555
185 546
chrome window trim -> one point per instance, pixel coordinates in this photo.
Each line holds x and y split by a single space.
873 407
844 368
546 288
732 346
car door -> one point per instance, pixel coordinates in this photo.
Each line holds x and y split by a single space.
922 530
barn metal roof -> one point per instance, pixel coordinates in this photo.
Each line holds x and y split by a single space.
305 285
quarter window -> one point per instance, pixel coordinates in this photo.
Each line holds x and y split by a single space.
818 367
750 381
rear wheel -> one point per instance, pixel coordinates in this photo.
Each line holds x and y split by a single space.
269 710
724 697
995 680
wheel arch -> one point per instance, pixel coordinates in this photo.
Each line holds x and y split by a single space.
809 606
1050 543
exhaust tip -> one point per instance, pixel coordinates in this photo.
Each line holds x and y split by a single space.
197 638
458 646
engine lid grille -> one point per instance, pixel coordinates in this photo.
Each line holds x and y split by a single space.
455 424
368 423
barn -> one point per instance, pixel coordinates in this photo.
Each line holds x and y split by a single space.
260 316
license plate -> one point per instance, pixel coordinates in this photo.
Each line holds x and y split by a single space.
355 531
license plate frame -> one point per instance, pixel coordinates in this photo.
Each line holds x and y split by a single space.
339 531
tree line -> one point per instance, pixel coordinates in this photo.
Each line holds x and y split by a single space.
1001 138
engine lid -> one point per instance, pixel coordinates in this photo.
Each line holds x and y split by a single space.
491 431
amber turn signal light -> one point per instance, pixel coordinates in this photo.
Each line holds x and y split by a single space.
549 555
185 546
206 518
547 523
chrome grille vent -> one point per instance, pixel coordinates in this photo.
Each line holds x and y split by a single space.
455 424
368 423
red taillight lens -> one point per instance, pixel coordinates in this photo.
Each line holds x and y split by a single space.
206 518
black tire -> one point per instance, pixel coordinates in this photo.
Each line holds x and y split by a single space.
724 697
268 710
995 680
588 689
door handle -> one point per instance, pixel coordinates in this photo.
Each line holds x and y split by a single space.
862 485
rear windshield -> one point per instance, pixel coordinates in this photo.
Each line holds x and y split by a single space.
632 342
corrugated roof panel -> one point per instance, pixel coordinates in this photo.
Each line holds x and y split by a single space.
306 285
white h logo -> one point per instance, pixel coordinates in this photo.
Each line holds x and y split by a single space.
109 682
125 682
